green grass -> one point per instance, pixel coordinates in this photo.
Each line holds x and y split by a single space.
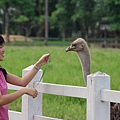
64 68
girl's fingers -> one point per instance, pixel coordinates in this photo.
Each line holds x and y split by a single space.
35 94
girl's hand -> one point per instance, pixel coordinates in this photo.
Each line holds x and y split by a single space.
43 60
31 91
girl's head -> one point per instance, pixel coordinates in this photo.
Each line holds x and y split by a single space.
2 50
2 41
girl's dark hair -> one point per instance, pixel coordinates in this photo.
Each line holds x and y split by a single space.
4 72
1 40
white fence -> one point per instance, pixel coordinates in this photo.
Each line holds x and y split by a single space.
97 93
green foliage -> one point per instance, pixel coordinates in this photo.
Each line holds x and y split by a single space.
100 10
40 19
21 18
66 17
61 16
65 69
83 13
113 13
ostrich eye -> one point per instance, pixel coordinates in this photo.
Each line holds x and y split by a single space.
82 46
74 45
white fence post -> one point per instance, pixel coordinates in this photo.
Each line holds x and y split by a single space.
30 106
97 109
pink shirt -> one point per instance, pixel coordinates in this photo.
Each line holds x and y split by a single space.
4 91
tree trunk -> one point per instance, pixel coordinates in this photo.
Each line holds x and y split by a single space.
7 26
7 22
46 23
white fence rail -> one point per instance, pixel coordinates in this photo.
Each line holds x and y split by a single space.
63 90
97 93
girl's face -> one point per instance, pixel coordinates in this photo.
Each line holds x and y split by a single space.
2 51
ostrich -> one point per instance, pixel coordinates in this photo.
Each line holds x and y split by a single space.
81 48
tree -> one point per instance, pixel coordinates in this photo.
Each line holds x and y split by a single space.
61 17
100 13
113 15
5 5
83 15
25 16
24 12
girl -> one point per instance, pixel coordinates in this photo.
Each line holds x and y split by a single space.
5 77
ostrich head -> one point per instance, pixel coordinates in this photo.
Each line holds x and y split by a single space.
77 45
81 48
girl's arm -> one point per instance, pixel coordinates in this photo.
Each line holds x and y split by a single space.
13 79
8 98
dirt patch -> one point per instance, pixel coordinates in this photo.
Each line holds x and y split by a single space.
16 38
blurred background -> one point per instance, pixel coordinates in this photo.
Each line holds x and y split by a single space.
98 21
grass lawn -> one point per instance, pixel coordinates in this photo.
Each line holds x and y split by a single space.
64 68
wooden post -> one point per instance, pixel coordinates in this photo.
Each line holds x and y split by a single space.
46 23
30 106
97 109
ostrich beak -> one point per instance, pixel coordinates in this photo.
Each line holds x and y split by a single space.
70 48
67 49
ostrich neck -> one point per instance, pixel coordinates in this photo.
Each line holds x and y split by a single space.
84 57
